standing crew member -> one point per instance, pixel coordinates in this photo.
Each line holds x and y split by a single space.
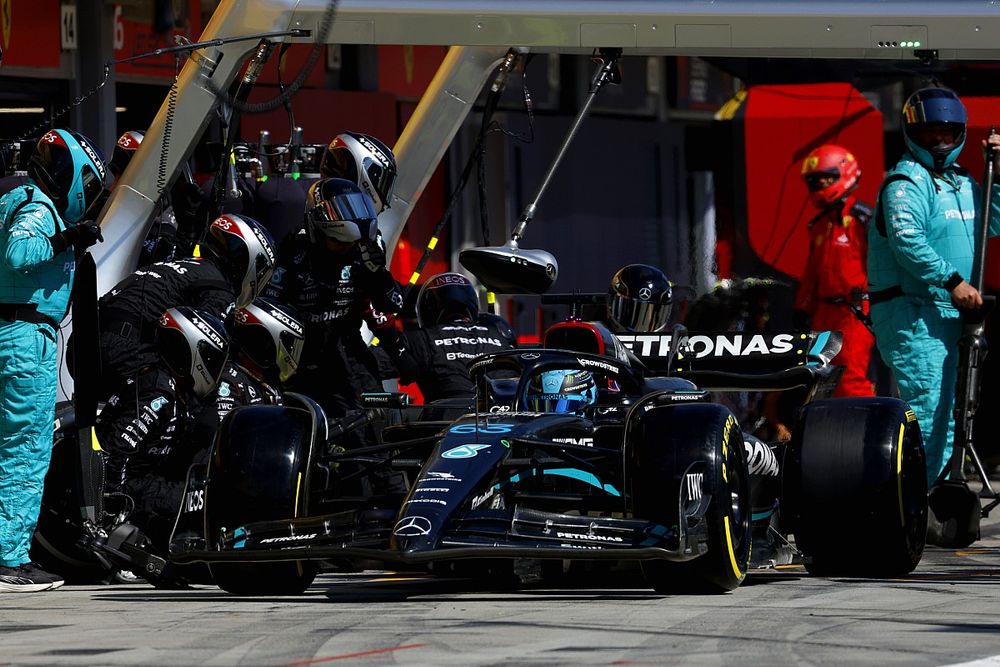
920 254
835 279
42 228
452 333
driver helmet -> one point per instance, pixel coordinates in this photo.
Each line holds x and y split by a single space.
194 346
269 337
830 173
447 295
70 170
243 250
362 159
931 106
562 391
639 299
337 209
125 148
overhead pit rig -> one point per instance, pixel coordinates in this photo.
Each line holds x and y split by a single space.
480 33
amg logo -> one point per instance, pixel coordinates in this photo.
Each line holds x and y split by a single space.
581 442
592 538
289 538
694 484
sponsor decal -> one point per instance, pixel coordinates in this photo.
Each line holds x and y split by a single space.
433 489
412 526
345 273
694 481
480 499
434 477
530 356
590 537
432 501
464 340
284 319
760 459
494 409
194 500
591 547
594 363
581 442
645 294
289 538
484 428
158 403
463 451
717 345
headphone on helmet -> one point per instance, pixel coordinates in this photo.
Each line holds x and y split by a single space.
362 159
195 346
269 338
243 250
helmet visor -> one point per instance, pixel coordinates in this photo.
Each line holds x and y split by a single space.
382 178
636 315
208 372
345 217
58 163
339 163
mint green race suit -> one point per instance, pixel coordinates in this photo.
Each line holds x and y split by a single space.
919 249
29 274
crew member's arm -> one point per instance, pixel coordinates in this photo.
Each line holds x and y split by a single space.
375 279
27 238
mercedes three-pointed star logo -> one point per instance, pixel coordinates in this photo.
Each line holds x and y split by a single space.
412 526
645 294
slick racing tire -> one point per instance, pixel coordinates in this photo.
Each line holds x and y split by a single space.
855 488
673 446
257 473
55 544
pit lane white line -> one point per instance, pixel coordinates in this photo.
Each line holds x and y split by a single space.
991 661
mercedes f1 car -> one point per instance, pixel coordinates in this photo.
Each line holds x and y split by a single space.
651 470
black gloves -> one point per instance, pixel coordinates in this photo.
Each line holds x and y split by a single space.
372 255
81 236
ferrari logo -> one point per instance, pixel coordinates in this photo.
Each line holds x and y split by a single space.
6 7
810 164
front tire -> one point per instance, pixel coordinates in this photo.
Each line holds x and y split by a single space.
672 439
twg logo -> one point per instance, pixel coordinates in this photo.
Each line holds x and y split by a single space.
694 480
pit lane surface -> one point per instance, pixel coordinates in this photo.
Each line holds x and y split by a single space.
944 613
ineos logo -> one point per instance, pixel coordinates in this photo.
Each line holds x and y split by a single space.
412 526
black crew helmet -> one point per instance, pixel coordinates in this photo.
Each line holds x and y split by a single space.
70 169
268 337
639 299
337 209
364 160
243 250
194 346
447 295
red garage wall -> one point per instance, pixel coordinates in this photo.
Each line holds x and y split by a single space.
781 125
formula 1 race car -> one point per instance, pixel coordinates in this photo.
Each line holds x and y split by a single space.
651 470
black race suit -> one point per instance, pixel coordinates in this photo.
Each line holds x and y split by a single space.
331 292
150 438
437 357
130 311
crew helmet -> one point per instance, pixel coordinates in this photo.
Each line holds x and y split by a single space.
70 170
562 391
243 250
639 299
928 106
268 337
194 345
125 148
362 159
337 209
446 295
830 161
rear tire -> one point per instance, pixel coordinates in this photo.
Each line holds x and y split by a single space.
855 485
666 450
